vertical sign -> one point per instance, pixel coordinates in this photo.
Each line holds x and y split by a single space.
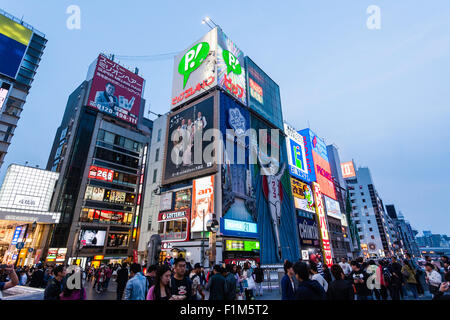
323 225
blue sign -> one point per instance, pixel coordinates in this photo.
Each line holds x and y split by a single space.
16 235
238 228
19 245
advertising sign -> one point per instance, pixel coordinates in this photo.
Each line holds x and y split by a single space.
100 173
203 203
51 255
174 215
348 170
184 160
61 255
231 68
165 201
116 91
333 208
308 232
194 70
4 89
16 235
14 40
27 201
303 196
323 175
238 245
92 237
238 228
296 153
324 236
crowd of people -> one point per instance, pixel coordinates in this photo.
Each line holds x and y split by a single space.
177 279
362 279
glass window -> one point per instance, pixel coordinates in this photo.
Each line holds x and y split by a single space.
157 155
159 136
155 174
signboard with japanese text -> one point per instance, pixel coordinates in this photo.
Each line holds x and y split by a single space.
324 235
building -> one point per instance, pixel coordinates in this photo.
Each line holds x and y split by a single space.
25 217
19 63
368 214
405 234
100 150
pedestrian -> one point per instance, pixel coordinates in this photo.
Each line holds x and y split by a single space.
216 284
180 283
23 277
13 281
396 279
383 282
258 273
359 278
340 288
108 275
315 275
197 289
230 283
151 275
137 286
287 282
122 278
444 292
248 282
240 284
433 278
55 285
37 278
307 289
101 277
161 289
409 275
372 269
345 266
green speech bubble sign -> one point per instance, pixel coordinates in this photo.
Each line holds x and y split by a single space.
192 59
232 62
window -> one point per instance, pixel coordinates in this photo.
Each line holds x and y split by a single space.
159 136
360 187
364 200
370 229
157 155
368 221
361 237
365 207
372 237
155 173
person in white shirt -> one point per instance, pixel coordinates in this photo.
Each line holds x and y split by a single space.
433 278
316 276
345 266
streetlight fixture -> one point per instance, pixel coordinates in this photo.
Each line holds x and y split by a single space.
204 21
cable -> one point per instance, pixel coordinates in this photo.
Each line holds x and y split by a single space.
153 57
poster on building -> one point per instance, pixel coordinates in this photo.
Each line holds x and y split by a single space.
348 170
186 128
308 232
324 235
303 196
296 153
165 201
100 173
116 91
333 208
203 203
93 237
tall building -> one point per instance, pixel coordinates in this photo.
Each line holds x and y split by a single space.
405 238
369 215
100 150
21 51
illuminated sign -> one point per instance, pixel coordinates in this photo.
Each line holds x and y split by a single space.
238 245
4 89
348 169
308 232
296 153
28 201
333 208
203 202
51 255
61 255
303 196
324 236
256 91
165 201
16 235
101 173
323 175
238 228
99 257
163 216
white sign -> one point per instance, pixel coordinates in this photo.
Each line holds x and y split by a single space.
305 255
165 201
333 209
27 201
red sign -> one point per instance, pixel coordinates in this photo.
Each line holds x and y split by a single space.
323 175
135 256
101 173
324 236
173 215
190 91
116 91
241 261
348 170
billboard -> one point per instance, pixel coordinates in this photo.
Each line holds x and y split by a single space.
182 161
308 232
4 89
100 173
333 208
324 235
116 91
348 170
213 60
203 203
303 196
263 94
14 40
238 228
92 237
296 153
323 175
165 201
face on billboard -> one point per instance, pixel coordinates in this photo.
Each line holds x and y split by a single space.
194 70
183 126
230 68
348 170
323 175
14 40
116 91
303 196
296 153
203 203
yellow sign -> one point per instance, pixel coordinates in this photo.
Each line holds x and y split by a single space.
99 257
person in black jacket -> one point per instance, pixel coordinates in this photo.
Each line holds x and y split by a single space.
122 278
37 278
258 273
216 284
340 288
287 282
359 278
307 289
55 285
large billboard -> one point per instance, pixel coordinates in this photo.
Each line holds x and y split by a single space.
14 40
116 91
308 232
296 153
303 196
348 170
333 208
263 94
184 159
213 60
324 235
202 203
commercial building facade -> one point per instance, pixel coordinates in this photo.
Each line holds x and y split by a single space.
100 150
23 48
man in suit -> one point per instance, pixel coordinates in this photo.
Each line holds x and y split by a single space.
106 98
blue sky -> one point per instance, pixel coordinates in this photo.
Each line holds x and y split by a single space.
381 96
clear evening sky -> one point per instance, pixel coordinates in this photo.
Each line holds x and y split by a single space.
381 96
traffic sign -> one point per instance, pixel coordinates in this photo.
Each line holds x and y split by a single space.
20 245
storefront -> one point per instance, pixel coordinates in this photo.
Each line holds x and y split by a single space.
238 251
